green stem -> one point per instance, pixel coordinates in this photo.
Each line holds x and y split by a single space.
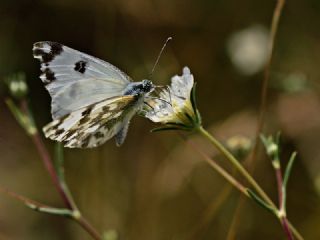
236 164
59 160
245 174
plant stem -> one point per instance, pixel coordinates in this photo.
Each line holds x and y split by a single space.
58 178
263 102
246 175
63 188
235 163
59 159
264 93
50 169
282 210
220 170
88 227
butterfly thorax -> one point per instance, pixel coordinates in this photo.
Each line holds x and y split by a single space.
139 88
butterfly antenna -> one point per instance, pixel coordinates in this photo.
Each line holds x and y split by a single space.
163 47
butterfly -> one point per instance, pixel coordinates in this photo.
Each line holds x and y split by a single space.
92 100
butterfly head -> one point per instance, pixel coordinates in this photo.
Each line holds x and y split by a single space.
147 86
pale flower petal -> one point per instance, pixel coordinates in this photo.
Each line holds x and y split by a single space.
173 104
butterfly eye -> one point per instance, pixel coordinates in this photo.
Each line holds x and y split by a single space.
147 85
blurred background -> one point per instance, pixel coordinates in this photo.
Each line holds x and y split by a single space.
155 186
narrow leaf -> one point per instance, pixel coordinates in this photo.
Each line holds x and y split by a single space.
288 169
194 104
36 205
166 129
193 97
176 124
191 120
55 211
260 202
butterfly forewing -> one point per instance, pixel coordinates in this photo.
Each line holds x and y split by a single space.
93 125
74 79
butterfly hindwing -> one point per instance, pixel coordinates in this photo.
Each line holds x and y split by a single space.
76 80
93 125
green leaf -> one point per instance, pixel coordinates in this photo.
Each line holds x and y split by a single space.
191 120
176 124
288 169
194 104
199 119
193 96
56 211
166 128
261 202
286 179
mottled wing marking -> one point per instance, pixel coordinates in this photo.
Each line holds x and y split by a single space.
74 79
93 125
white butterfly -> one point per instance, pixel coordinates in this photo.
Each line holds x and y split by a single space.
92 100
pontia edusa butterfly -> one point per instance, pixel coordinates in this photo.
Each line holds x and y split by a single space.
92 100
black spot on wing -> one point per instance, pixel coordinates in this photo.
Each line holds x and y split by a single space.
69 134
59 131
49 75
84 120
47 56
105 108
80 66
98 135
87 111
56 48
44 56
85 142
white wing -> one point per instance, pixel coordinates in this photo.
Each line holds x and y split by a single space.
91 126
74 79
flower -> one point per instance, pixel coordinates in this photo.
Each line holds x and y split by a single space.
175 104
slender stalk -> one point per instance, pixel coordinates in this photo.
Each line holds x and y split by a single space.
286 228
263 103
264 93
39 207
279 185
219 169
63 189
295 231
282 210
45 157
235 163
88 227
246 175
60 173
57 177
